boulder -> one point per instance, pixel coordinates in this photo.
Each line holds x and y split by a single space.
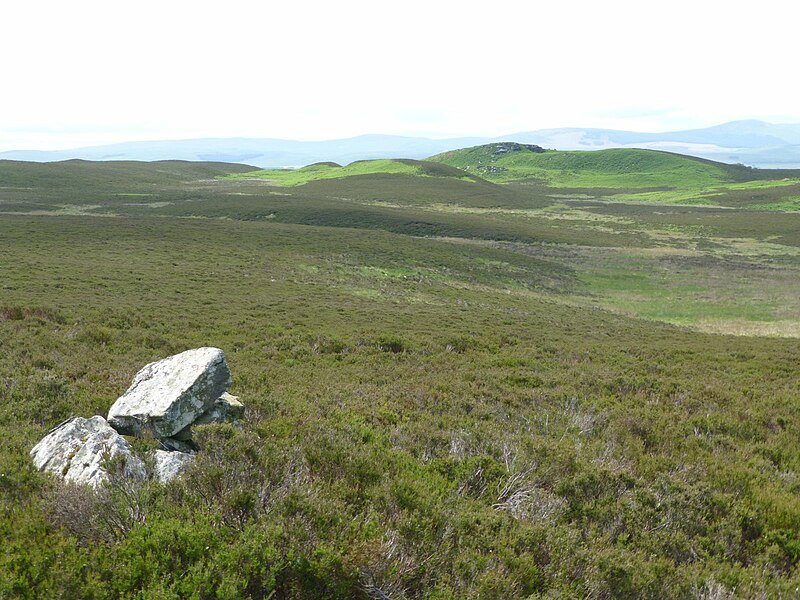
76 450
169 465
168 395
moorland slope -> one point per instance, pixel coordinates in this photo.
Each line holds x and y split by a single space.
455 387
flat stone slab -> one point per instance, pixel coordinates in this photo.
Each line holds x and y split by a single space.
168 395
75 451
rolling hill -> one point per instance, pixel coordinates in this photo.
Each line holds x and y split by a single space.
511 162
331 170
628 174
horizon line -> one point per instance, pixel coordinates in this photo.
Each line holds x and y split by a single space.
432 137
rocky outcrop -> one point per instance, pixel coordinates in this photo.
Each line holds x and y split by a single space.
78 449
169 395
508 147
165 399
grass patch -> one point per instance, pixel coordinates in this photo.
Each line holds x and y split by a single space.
787 204
322 171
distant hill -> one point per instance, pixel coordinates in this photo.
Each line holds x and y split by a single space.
629 174
754 143
736 134
108 175
616 167
260 152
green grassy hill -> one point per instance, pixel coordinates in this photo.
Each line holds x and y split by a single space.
619 167
631 175
328 170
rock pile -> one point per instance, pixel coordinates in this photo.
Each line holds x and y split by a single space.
165 400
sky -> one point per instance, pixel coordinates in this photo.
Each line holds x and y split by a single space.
90 72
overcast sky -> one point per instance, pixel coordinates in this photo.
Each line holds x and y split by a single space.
89 72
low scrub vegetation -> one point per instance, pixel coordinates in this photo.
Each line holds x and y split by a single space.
455 416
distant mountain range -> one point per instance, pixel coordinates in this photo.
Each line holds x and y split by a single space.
754 143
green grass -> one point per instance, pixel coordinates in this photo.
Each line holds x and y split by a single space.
763 184
734 294
321 171
760 194
691 197
787 204
455 388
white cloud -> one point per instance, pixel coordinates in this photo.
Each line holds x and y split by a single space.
102 71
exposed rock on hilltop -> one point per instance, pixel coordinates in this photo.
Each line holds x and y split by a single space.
506 147
166 398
